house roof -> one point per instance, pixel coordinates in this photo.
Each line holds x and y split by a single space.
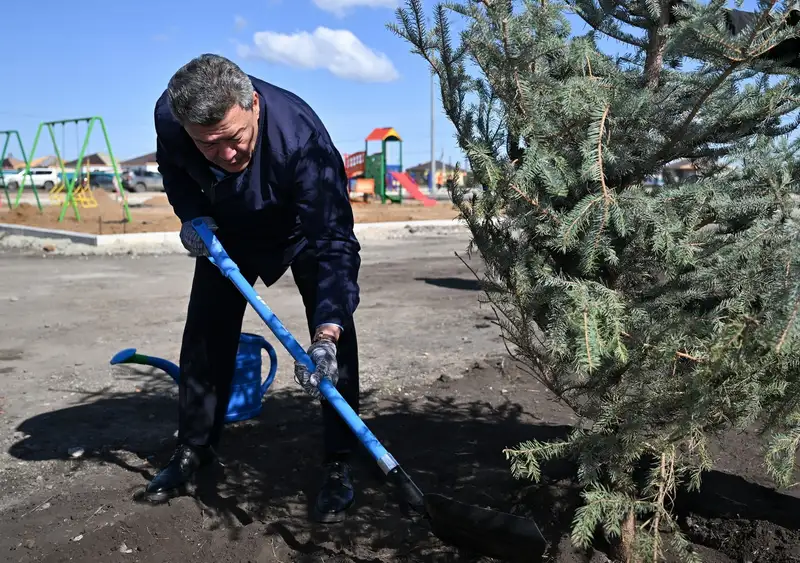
44 161
11 162
97 159
140 160
384 134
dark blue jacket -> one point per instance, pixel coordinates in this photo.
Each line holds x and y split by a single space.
293 194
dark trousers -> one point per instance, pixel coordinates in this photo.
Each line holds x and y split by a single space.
210 344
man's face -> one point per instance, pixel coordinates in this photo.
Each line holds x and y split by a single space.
230 143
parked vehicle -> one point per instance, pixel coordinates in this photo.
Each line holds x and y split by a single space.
105 180
140 180
42 178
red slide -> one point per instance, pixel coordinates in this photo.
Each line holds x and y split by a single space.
411 187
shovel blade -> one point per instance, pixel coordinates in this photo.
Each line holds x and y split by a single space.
489 532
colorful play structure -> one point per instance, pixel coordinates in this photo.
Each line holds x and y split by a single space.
374 175
82 193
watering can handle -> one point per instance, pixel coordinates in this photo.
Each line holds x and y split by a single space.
273 366
230 270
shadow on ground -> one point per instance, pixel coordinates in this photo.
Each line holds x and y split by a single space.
449 438
271 463
453 283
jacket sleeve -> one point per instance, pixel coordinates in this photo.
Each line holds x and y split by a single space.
184 195
326 218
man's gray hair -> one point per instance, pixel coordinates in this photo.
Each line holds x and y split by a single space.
203 90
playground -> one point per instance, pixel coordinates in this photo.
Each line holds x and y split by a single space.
379 189
380 175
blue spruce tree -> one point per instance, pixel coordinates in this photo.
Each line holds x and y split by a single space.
662 315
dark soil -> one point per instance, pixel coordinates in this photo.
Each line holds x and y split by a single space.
449 437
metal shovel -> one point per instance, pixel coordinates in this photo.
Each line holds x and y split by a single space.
488 532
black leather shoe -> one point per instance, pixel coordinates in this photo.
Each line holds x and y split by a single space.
171 480
336 495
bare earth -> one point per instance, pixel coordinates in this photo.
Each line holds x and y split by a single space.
439 392
155 215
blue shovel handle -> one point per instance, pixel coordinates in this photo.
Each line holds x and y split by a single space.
230 270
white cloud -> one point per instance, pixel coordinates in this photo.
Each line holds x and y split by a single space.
239 22
338 51
339 7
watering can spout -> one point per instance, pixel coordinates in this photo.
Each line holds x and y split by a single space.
130 356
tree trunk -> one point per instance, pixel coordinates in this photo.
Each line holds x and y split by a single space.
627 536
655 49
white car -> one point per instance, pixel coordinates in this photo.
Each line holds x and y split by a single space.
43 178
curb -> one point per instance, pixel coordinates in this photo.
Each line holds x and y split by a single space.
91 240
401 225
171 237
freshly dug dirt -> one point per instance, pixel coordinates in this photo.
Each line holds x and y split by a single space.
449 436
156 201
155 215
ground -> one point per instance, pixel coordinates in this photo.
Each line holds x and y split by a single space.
80 438
152 213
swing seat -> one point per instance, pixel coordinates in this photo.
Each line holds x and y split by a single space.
84 197
56 193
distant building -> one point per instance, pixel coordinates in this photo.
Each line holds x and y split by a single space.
672 172
679 170
11 163
146 161
48 161
444 172
98 160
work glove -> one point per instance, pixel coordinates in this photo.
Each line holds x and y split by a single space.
323 354
191 239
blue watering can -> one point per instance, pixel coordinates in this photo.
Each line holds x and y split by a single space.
247 389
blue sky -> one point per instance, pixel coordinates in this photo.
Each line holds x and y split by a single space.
113 59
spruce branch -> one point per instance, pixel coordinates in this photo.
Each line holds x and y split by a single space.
792 320
680 136
599 23
607 197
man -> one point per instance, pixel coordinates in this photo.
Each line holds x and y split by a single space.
257 165
787 52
